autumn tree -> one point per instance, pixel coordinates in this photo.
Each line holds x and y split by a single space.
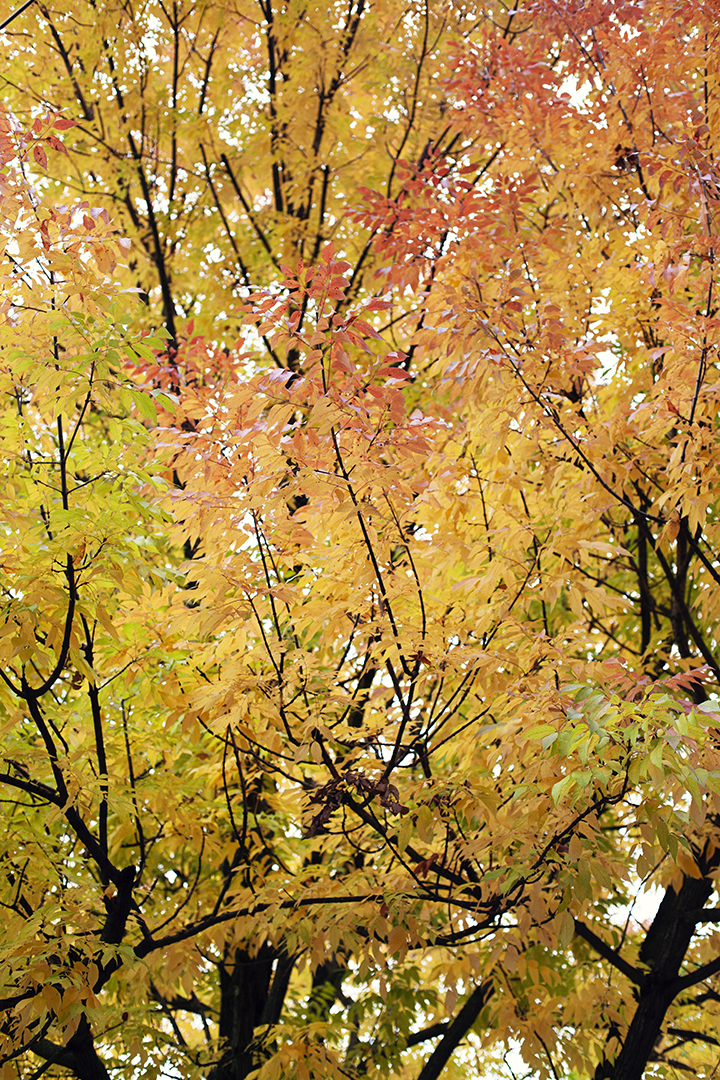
360 620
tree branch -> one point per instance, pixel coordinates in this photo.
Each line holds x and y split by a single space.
692 1036
608 953
697 976
18 11
431 1032
456 1031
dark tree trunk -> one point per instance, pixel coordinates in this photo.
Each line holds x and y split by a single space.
244 989
663 953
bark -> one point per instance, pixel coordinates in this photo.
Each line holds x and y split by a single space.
79 1056
244 990
662 955
457 1030
278 989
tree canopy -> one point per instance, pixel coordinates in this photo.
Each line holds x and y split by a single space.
359 607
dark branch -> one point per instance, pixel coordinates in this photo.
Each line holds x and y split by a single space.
608 953
456 1031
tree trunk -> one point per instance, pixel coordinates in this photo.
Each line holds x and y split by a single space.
663 953
244 988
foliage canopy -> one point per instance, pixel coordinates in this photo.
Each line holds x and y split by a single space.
359 540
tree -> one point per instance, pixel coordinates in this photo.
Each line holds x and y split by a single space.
353 700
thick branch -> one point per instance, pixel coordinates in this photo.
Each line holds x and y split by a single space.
79 1056
456 1031
698 976
431 1032
608 953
